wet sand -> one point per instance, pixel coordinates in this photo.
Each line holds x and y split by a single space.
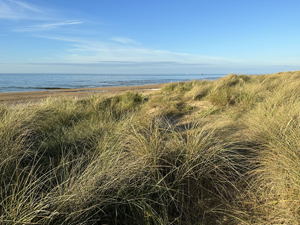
34 96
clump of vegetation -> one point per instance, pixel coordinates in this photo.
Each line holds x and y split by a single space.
198 152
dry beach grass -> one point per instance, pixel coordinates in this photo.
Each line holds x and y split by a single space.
198 152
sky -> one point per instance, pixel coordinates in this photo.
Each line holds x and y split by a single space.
149 37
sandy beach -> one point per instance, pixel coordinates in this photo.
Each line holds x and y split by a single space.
9 98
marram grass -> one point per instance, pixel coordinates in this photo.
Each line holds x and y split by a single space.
198 152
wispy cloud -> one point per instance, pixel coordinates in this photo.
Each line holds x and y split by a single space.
108 52
87 51
123 40
95 51
48 26
116 64
105 68
27 6
12 9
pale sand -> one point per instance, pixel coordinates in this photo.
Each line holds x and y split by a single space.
10 98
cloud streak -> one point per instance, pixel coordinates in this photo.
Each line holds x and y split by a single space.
49 26
80 50
116 64
87 51
27 6
12 9
123 40
108 52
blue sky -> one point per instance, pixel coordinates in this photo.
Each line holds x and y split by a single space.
149 37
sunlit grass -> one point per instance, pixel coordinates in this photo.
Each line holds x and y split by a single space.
198 152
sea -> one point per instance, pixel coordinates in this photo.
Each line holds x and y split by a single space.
22 82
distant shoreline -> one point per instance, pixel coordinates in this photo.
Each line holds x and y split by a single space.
32 96
47 82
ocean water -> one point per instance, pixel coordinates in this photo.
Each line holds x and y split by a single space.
35 82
